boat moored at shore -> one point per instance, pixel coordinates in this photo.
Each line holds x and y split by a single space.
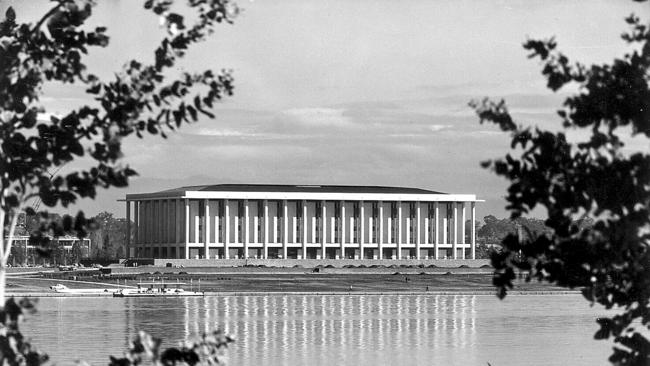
157 289
59 288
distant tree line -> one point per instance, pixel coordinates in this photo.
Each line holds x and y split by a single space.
491 232
108 241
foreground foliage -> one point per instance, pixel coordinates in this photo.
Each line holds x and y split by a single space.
15 349
143 98
593 179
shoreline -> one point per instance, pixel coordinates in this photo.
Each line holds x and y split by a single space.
336 282
323 293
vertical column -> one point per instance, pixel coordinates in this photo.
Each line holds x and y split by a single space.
178 223
342 228
149 217
217 222
206 230
381 230
323 229
187 228
294 229
266 230
136 219
444 226
436 215
426 225
462 228
246 229
128 228
226 234
389 228
154 224
313 225
170 224
235 226
455 246
150 223
399 230
417 228
256 223
143 222
361 229
304 229
473 231
351 228
333 227
160 224
285 228
197 219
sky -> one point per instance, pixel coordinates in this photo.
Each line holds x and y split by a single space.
351 92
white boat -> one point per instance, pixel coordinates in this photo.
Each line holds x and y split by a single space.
156 289
81 291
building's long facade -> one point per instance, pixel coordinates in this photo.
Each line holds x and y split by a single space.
232 221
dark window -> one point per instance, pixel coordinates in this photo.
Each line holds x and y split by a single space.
337 222
319 218
240 221
299 225
356 220
221 218
375 218
412 222
201 218
393 222
260 218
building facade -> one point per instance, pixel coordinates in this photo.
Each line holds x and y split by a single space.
233 221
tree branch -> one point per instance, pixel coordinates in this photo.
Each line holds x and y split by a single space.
9 243
47 15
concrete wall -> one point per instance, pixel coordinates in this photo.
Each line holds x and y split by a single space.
310 263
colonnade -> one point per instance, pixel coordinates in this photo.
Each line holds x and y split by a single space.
315 229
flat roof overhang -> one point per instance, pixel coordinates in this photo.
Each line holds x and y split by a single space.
309 196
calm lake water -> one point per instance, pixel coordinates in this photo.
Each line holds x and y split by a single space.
334 330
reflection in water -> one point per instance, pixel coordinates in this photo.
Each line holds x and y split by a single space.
353 329
344 330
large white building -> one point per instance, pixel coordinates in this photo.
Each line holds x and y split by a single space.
230 221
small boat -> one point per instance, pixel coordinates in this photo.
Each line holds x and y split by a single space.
59 288
156 289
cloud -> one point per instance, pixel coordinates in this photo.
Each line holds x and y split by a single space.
319 117
224 132
436 128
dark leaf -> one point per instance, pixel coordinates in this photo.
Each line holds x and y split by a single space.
10 14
